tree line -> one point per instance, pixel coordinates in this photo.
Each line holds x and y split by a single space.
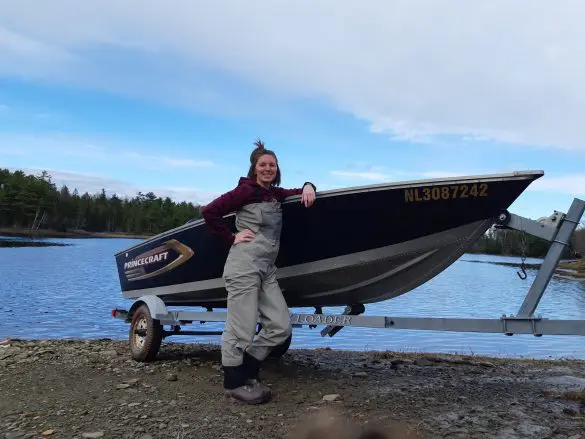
34 202
515 243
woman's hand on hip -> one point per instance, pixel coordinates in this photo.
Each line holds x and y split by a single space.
244 236
308 195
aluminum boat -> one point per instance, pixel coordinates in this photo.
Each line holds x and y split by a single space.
355 245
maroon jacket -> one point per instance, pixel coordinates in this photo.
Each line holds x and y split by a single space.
248 191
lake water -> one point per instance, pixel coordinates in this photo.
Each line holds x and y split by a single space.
69 292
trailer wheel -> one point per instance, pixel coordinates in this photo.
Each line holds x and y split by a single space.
280 350
145 335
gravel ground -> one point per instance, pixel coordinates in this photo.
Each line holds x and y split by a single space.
91 389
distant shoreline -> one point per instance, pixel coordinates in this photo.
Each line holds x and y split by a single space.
43 233
575 269
572 268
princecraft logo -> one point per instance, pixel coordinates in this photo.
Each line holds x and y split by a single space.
157 261
146 260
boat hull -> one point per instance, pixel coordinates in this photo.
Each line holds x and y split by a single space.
359 245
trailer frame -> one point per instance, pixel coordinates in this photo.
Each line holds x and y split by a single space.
149 314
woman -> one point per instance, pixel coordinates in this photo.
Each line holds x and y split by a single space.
250 273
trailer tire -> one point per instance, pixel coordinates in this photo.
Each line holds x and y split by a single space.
144 348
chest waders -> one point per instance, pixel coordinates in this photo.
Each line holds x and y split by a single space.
253 295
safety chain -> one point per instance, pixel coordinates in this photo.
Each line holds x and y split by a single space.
523 245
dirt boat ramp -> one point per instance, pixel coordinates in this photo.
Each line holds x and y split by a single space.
92 389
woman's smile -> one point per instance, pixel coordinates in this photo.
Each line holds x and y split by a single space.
266 168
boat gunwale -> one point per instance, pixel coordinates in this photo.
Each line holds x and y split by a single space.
505 176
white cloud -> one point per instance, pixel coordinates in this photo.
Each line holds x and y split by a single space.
442 174
169 161
94 183
373 176
188 194
186 163
26 56
505 69
378 174
74 146
36 145
572 184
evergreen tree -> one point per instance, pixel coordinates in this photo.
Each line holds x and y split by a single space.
34 202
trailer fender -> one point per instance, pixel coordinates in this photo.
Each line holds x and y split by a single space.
155 305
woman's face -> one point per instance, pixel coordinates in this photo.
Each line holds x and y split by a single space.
266 169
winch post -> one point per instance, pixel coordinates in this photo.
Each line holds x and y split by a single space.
560 239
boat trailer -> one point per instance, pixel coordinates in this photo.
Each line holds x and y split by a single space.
149 314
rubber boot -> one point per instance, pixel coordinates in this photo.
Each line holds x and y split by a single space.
236 386
252 368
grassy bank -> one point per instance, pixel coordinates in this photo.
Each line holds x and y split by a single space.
44 233
575 268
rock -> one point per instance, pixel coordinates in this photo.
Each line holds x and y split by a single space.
567 381
533 430
93 435
485 364
45 351
332 397
507 433
517 413
110 354
360 374
423 362
172 377
48 432
569 411
575 436
15 435
459 432
6 353
122 386
395 363
448 418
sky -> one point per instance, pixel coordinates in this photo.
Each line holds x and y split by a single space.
131 95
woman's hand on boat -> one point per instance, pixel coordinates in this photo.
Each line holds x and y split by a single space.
244 236
308 195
